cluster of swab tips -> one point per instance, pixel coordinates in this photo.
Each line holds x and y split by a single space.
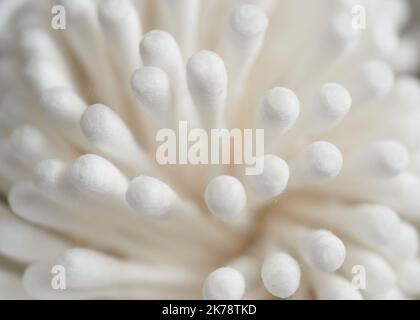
332 214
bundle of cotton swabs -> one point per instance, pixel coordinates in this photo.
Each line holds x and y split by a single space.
90 214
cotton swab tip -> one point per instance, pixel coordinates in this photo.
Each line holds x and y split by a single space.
159 48
63 106
152 88
150 197
378 77
319 161
225 197
248 21
333 102
273 179
323 251
279 109
207 80
98 178
224 284
281 275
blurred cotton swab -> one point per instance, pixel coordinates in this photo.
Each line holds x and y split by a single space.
243 39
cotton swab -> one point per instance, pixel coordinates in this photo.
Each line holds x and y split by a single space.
243 39
370 224
406 95
38 43
278 112
280 274
329 286
380 277
30 145
152 88
225 197
372 80
336 41
30 205
408 274
159 49
380 159
52 178
318 162
405 244
399 193
207 84
108 133
273 179
83 35
320 249
181 17
330 105
105 271
150 197
121 24
10 168
99 179
37 281
224 283
64 108
41 74
26 243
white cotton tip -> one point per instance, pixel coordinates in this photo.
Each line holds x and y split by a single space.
385 159
63 107
273 179
52 180
279 110
331 105
225 197
224 284
25 243
318 162
98 178
404 244
280 274
333 287
158 48
374 79
376 225
100 125
31 145
248 21
408 273
340 35
323 250
107 132
380 277
87 268
407 95
378 76
152 88
207 81
43 74
150 197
